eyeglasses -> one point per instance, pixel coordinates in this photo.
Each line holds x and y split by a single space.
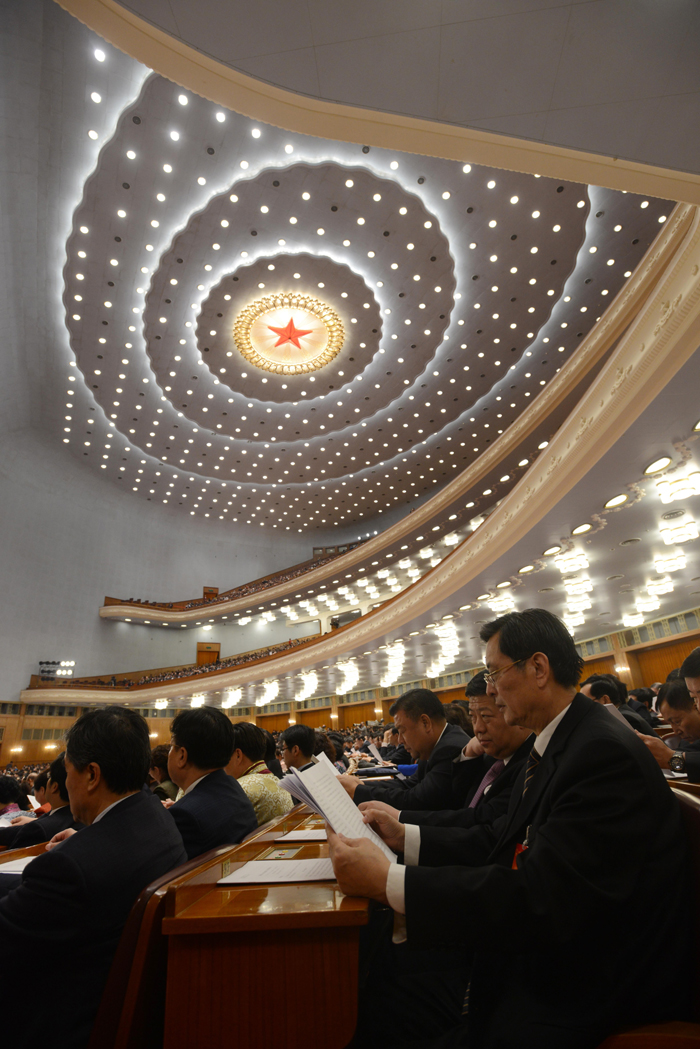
490 676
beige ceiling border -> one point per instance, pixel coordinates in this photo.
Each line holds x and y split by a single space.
661 341
617 317
184 65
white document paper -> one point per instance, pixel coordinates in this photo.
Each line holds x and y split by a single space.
323 760
15 866
374 752
33 802
268 871
322 792
304 835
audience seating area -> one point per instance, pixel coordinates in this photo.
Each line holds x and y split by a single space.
134 680
244 590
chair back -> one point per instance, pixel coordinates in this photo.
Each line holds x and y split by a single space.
132 1006
690 812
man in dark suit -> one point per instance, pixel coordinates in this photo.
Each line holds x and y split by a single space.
680 710
71 903
605 689
297 743
549 896
215 809
43 828
484 773
420 718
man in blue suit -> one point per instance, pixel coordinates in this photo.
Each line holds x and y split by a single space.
215 809
71 904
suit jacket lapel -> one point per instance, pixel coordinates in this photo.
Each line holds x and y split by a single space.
522 808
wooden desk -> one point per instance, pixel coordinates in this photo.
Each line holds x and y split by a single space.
253 966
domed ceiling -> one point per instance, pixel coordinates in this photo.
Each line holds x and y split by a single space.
300 334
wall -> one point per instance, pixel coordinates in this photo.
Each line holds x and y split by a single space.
598 665
657 661
70 538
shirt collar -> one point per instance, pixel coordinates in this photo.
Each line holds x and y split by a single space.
193 785
542 741
113 805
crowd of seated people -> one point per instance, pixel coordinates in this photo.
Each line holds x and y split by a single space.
246 588
194 670
533 831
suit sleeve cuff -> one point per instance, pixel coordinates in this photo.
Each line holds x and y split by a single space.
411 845
395 888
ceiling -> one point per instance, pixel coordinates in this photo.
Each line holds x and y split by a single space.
612 77
462 291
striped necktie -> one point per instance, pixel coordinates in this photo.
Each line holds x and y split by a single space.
491 774
533 760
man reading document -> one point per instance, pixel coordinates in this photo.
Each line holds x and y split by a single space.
547 899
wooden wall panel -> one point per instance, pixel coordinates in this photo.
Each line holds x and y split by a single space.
657 661
598 665
315 718
273 722
348 715
448 695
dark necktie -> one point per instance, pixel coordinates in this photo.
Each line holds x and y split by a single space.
488 779
533 760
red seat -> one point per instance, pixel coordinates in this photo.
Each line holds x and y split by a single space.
677 1034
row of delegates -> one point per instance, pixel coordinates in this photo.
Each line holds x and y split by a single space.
71 903
542 904
51 788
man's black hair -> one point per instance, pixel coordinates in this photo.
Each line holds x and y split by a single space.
690 667
57 775
116 739
159 758
603 685
642 695
419 701
41 781
675 695
521 634
675 675
206 734
301 736
476 686
250 739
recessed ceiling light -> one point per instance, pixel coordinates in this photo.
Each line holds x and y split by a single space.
551 550
580 529
617 500
658 464
525 569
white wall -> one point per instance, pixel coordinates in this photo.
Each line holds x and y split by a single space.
68 539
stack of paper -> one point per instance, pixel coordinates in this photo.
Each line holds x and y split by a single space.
320 790
258 872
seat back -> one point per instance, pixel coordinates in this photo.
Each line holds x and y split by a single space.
132 1006
690 811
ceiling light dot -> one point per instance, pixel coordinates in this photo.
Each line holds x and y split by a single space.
175 136
658 464
617 500
581 204
256 132
92 134
220 116
491 184
535 214
293 220
360 221
551 550
99 54
446 195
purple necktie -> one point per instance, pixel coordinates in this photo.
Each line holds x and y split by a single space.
488 779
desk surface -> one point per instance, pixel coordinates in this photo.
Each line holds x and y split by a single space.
199 905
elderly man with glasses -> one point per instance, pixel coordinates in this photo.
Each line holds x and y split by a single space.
549 898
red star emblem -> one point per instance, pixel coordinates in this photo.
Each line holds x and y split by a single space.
289 334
